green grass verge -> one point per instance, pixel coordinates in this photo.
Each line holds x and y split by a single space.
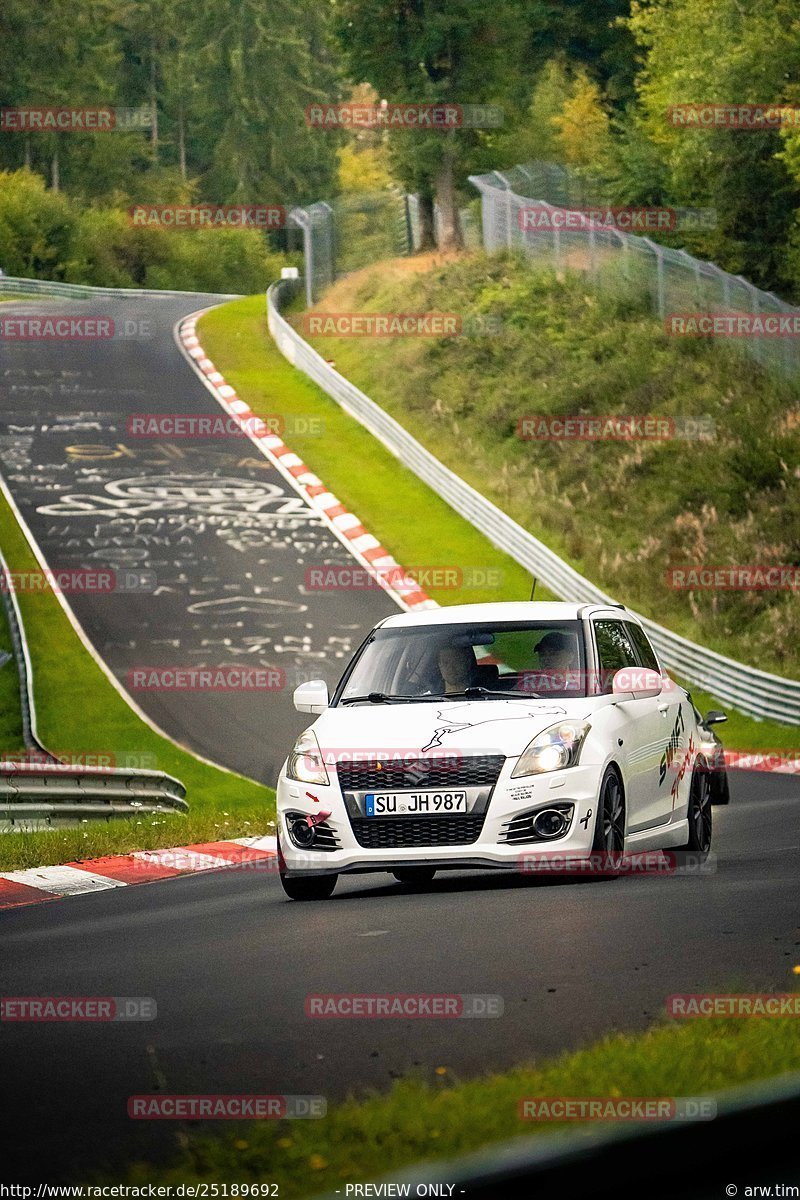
436 1116
622 513
150 831
80 712
420 529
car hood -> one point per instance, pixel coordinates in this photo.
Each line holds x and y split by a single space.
459 726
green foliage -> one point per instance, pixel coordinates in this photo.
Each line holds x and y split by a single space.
621 512
423 529
454 52
614 128
45 235
36 226
739 51
433 1116
225 85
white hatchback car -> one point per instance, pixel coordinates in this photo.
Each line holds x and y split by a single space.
492 735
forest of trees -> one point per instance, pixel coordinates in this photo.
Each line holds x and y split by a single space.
225 89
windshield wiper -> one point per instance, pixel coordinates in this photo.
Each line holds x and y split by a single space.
383 698
472 693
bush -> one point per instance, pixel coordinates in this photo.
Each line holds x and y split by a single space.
44 235
36 227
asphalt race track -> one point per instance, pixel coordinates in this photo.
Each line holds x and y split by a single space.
209 540
230 962
227 959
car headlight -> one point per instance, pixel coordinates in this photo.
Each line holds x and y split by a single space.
305 761
553 749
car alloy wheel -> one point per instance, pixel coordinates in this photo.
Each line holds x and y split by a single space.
610 828
700 813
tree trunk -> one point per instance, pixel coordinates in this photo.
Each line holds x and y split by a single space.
55 171
27 159
427 237
450 235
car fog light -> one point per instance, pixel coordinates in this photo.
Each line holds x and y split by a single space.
550 823
302 832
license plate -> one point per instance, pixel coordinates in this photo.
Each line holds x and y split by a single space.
415 804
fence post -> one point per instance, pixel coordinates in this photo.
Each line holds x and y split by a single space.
660 290
308 260
756 344
408 227
330 216
508 207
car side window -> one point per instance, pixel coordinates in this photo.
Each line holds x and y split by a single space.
644 651
614 649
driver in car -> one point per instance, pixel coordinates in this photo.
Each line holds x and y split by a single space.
448 668
558 665
458 667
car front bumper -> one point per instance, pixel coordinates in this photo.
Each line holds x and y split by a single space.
510 798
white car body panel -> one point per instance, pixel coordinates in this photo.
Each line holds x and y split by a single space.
634 734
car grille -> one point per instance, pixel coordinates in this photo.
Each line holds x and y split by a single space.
476 770
383 833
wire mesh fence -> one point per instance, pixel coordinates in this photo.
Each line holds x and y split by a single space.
541 209
758 693
357 229
352 231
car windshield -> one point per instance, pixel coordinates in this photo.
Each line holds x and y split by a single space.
480 661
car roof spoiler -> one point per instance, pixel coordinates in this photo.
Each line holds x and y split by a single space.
586 608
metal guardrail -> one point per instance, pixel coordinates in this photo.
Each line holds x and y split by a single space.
33 794
15 285
37 793
754 692
19 646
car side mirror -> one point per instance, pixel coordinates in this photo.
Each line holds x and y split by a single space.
715 717
636 683
311 697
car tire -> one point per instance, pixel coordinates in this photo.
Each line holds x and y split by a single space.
609 829
720 789
415 876
309 887
699 813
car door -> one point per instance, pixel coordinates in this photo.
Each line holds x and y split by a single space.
640 733
674 730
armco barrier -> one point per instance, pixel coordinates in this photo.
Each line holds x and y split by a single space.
22 656
36 793
757 693
12 285
33 793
